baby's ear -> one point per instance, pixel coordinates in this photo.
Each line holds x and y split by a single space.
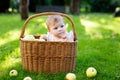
48 30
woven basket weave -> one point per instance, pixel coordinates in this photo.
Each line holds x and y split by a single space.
48 57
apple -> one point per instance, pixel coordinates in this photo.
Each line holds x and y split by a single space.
29 37
41 39
91 72
13 73
27 78
70 76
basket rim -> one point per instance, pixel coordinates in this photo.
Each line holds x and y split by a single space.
21 39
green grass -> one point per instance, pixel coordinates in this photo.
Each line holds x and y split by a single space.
98 46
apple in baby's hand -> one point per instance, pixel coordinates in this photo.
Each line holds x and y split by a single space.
13 73
91 72
70 76
27 78
29 37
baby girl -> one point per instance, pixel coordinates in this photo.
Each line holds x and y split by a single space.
57 30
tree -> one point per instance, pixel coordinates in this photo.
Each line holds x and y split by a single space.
75 7
24 8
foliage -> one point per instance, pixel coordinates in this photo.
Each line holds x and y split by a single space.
115 2
14 4
101 5
34 3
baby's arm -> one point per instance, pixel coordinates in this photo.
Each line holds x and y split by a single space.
71 36
43 37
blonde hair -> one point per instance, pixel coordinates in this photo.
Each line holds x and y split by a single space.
53 19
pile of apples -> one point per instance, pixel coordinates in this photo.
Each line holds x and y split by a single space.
90 72
31 38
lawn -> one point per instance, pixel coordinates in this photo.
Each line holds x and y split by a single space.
98 46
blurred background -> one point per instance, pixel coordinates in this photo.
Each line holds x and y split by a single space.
61 5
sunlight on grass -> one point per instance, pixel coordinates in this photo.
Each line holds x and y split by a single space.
117 19
95 28
89 24
9 36
103 21
11 60
42 21
113 28
35 26
90 28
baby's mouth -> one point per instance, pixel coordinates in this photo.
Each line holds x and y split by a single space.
62 35
61 32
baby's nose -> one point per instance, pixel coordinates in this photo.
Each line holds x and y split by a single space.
59 29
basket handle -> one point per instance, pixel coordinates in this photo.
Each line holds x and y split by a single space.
48 13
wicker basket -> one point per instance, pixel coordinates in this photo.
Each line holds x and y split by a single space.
48 57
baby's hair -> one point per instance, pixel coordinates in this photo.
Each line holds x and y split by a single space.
53 19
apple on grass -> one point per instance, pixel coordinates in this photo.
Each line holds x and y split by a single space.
91 72
13 73
27 78
70 76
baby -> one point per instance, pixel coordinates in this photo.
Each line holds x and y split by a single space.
57 30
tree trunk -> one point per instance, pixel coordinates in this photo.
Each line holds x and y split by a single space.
75 7
24 9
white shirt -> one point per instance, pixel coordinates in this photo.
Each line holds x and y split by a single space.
70 37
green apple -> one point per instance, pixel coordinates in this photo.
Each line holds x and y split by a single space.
70 76
91 72
13 73
29 37
27 78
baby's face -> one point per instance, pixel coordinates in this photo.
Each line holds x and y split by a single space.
58 29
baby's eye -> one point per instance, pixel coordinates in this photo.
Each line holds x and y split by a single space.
62 26
55 28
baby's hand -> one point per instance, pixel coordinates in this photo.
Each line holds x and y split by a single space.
63 39
43 37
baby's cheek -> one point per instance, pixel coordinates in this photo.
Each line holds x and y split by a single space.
55 32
